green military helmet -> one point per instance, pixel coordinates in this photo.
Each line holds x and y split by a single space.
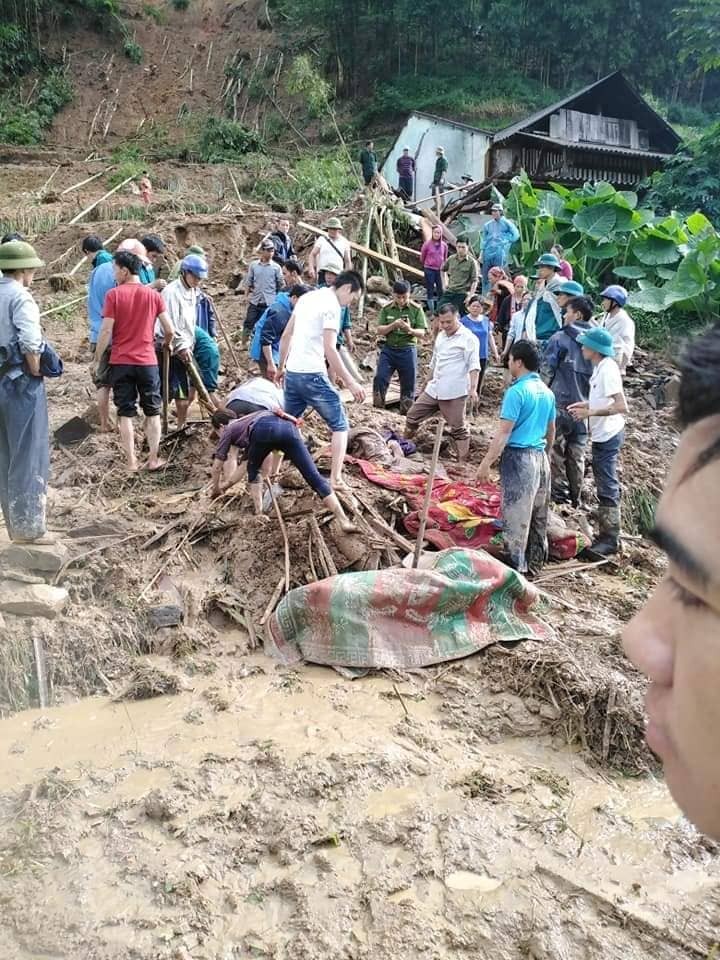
19 255
572 288
548 260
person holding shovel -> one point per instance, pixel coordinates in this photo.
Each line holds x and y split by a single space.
181 300
261 438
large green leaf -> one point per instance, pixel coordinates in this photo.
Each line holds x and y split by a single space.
604 190
630 272
698 223
559 189
601 251
654 250
626 198
597 221
651 299
665 273
551 205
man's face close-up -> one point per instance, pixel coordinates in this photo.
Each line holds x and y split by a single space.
675 638
449 322
401 299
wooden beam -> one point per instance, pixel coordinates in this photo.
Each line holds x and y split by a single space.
366 251
79 216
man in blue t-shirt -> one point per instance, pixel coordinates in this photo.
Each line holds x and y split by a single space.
524 438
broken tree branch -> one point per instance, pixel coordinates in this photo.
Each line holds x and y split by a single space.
79 216
428 492
283 530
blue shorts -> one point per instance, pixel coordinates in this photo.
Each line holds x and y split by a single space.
303 390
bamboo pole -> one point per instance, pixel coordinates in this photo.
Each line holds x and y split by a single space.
166 388
366 251
86 257
62 306
364 271
78 217
415 253
49 180
223 331
203 395
463 188
428 493
82 183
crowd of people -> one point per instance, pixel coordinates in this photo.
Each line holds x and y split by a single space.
565 368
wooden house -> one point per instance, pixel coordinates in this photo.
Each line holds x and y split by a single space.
606 131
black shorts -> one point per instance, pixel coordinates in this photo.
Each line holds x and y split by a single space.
130 381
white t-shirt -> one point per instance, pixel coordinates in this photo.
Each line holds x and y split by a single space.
621 328
329 259
259 391
605 382
454 357
314 313
181 307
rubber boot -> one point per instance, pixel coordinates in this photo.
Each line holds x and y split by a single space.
608 538
378 400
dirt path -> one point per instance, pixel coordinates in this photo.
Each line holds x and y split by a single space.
266 813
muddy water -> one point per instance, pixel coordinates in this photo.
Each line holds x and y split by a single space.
309 818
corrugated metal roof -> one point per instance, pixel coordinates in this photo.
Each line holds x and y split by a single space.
451 123
522 125
596 147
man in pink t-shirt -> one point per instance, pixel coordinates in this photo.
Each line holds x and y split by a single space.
129 315
433 255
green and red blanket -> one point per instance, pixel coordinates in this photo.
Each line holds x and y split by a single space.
397 618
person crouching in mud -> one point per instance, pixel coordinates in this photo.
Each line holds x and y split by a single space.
261 438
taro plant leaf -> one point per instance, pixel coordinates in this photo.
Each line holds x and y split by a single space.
698 223
627 220
626 198
596 221
655 250
601 251
551 205
651 299
560 189
630 272
604 190
680 292
665 273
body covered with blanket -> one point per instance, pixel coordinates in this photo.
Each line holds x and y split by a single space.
463 602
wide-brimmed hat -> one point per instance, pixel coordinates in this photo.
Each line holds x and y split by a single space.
598 339
572 288
334 224
497 206
439 149
548 260
19 255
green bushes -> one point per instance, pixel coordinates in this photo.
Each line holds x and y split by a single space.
221 141
132 50
315 182
24 125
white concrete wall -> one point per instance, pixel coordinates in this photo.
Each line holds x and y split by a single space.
465 150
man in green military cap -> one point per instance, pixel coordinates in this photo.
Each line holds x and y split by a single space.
24 444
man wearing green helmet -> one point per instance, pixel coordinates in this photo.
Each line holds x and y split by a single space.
24 444
605 409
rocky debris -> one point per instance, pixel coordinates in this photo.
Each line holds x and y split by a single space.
46 558
32 599
165 615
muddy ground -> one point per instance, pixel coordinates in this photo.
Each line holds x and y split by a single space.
185 797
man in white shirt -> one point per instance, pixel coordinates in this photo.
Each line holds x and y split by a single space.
181 299
255 395
619 324
307 348
454 375
604 409
331 253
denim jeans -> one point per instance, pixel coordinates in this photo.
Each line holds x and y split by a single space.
605 458
392 359
303 390
274 433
